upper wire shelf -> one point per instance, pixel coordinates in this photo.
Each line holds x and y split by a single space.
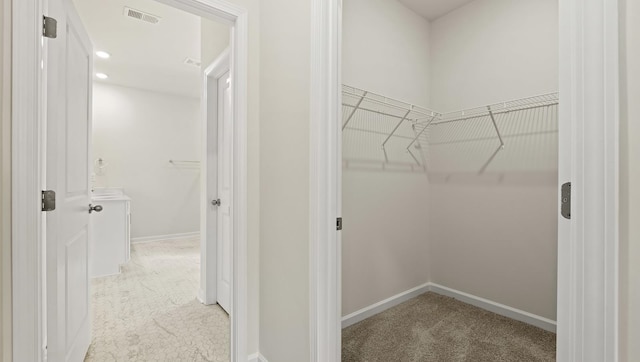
422 120
362 100
358 100
515 105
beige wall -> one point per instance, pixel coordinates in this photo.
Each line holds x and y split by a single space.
214 40
385 49
278 186
629 182
494 236
494 50
284 179
5 179
384 240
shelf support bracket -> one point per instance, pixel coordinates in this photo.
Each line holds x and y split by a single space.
495 125
501 147
421 132
404 118
417 137
354 110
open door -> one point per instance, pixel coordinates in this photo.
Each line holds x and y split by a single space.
225 181
68 79
217 184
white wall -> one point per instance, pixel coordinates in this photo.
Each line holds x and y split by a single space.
136 132
629 181
495 235
385 50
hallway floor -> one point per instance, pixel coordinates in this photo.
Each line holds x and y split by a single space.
150 311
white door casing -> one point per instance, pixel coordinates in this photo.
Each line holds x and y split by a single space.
68 111
225 184
588 158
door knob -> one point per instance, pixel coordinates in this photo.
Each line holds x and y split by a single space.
215 202
96 208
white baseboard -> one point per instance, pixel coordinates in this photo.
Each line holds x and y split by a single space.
381 306
257 357
150 239
501 309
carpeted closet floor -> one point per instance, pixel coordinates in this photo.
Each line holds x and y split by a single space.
431 327
149 312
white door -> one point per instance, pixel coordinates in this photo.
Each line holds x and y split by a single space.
68 98
225 169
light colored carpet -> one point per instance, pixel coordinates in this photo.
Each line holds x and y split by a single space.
150 311
436 328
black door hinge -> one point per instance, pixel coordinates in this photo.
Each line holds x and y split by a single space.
339 224
565 202
49 27
48 200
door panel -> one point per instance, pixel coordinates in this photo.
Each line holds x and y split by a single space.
68 76
77 282
225 169
77 91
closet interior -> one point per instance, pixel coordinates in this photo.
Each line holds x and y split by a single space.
450 179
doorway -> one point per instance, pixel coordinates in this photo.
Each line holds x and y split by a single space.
452 158
589 33
229 14
147 147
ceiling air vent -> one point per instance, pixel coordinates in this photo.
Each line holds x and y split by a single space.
140 15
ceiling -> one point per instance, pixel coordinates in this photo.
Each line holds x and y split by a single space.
433 9
144 55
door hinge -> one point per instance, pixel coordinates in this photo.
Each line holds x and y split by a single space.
48 200
339 224
565 202
49 27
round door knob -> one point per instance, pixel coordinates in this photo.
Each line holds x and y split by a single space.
96 208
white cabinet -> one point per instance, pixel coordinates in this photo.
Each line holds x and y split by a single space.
110 242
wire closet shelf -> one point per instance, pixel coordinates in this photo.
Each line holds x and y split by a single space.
365 104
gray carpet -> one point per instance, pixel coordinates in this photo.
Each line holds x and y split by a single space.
436 328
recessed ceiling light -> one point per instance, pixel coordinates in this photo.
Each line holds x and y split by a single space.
103 54
102 76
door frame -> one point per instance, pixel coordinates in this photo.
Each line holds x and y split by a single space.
209 243
27 151
587 326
